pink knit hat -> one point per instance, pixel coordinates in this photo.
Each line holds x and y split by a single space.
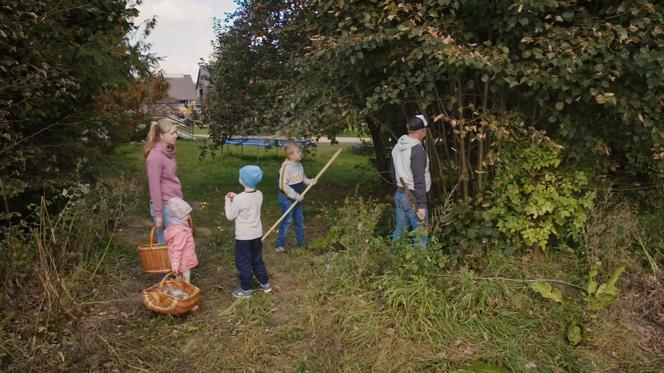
178 208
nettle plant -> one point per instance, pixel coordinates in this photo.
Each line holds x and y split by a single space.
533 200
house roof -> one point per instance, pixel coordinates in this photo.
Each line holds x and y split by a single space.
181 88
203 78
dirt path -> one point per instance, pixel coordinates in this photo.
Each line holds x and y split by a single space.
265 332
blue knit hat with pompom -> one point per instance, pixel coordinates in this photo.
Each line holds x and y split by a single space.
250 176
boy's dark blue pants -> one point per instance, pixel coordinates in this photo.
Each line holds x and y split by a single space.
249 262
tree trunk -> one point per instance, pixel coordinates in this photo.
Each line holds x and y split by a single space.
379 146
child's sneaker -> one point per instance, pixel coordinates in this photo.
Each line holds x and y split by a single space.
239 293
280 249
266 288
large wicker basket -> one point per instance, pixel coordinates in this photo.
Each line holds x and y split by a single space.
157 299
154 257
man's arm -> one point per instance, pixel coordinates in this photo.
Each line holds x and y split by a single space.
418 163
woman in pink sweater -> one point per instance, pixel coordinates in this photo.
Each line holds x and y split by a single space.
159 153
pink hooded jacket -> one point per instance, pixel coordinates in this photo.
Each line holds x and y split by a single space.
181 247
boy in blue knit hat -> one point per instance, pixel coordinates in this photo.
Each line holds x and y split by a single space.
245 209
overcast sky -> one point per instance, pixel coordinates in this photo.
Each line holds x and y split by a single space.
183 32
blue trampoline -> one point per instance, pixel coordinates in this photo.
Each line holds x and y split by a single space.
267 143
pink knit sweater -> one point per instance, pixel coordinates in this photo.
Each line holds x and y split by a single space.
164 184
181 247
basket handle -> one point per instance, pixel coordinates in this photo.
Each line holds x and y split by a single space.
152 237
161 283
153 231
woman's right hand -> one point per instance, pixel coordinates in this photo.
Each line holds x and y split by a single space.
159 222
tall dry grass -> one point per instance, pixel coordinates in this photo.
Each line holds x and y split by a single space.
390 308
51 259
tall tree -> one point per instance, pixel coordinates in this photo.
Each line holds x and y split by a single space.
591 74
249 71
588 73
70 86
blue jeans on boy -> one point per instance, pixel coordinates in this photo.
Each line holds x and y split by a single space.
295 215
249 262
406 218
166 217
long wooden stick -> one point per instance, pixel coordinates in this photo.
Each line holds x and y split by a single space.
292 206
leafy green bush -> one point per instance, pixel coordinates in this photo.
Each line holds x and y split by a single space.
534 200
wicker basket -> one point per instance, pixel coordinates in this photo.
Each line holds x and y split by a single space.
154 257
158 300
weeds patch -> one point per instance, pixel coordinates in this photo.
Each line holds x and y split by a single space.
418 312
352 301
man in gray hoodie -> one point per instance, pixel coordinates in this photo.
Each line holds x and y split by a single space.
411 167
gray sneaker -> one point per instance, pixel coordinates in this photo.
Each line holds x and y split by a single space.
280 249
266 288
239 293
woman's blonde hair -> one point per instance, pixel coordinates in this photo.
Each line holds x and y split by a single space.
290 148
154 134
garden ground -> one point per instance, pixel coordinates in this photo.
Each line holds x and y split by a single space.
342 304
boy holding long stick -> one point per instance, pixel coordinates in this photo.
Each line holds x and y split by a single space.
292 183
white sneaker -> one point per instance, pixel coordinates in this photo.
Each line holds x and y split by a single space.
266 288
280 249
239 293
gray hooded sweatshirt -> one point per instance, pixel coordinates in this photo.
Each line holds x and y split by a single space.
412 164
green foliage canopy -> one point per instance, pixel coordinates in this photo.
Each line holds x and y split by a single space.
71 84
250 69
590 74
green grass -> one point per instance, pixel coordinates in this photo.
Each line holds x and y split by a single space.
201 131
209 179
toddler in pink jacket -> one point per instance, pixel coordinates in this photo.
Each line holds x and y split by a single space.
180 239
